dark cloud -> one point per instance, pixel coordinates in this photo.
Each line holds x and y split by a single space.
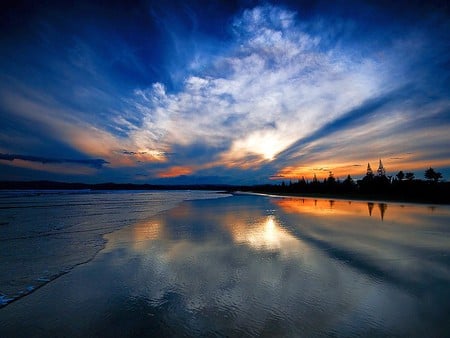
94 163
276 176
136 153
132 153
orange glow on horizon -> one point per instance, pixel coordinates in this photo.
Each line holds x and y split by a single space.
321 172
175 172
356 171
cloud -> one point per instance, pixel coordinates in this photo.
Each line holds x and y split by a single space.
274 85
384 136
94 163
174 172
66 170
276 92
70 127
132 153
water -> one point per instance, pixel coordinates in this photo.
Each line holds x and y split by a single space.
255 266
44 234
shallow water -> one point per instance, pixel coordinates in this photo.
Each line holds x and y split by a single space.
256 266
44 234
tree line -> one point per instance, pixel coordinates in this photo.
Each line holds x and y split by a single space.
402 186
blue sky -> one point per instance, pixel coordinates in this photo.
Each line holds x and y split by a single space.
222 92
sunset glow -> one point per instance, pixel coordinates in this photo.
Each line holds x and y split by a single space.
175 171
226 93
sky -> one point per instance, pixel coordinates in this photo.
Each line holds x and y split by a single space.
230 92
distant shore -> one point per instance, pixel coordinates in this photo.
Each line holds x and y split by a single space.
344 197
407 192
53 185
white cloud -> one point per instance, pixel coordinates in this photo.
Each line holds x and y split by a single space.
276 84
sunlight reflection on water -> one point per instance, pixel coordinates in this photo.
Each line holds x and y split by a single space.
254 265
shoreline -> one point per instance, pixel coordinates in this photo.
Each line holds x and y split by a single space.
356 198
415 191
100 241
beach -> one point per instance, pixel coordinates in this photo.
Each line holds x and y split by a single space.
194 264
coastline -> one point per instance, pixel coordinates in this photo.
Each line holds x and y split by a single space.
416 191
355 197
90 237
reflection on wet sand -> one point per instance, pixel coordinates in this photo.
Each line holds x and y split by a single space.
404 249
343 231
260 266
399 246
381 206
136 237
248 227
370 206
266 234
263 271
320 207
409 214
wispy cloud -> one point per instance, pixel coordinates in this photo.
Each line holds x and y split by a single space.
280 95
95 163
274 85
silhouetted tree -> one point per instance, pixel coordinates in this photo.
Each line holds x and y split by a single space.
432 175
348 180
330 184
348 184
331 179
371 186
369 173
367 184
409 176
381 170
400 175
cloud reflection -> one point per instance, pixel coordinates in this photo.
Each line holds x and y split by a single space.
266 234
248 265
287 259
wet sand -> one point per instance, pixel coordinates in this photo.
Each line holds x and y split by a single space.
256 266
